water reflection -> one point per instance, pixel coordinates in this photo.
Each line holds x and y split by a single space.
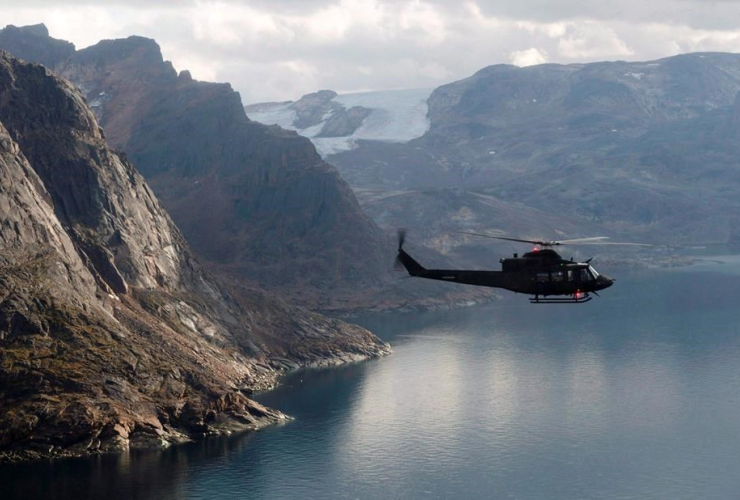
630 396
128 475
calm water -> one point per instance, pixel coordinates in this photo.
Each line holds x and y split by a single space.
632 396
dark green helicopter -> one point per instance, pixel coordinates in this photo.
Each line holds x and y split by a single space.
542 272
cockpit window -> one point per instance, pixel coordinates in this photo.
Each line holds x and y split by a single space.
593 272
584 275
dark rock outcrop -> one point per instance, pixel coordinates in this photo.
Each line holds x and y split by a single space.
111 334
344 122
311 108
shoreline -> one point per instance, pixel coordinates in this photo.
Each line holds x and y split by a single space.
227 422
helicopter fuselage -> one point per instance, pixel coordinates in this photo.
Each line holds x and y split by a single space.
540 273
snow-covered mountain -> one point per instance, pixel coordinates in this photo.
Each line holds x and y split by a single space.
335 122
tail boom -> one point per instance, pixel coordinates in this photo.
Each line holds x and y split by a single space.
493 279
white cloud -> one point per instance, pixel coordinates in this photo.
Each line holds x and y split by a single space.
281 49
528 57
423 22
225 24
592 40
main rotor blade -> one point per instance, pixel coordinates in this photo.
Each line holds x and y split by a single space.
535 242
583 240
593 240
603 243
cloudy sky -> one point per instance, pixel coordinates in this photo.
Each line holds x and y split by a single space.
281 49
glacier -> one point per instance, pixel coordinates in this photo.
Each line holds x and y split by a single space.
395 116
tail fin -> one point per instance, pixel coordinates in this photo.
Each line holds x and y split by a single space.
413 267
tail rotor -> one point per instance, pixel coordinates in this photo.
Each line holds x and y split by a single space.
398 265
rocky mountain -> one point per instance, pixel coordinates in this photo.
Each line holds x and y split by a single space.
256 203
112 336
646 151
632 147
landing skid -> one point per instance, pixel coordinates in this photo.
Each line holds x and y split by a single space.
578 299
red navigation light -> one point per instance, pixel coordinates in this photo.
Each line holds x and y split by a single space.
578 294
536 249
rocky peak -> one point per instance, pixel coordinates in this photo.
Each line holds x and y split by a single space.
120 79
35 29
143 53
311 108
317 97
33 43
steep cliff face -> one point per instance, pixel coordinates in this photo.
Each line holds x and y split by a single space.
257 203
111 334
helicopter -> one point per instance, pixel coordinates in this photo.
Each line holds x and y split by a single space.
542 272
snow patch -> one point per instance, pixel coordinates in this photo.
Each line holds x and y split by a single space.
396 116
279 114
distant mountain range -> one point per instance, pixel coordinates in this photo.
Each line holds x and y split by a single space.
256 203
646 151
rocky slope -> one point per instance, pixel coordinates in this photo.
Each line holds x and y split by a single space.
256 203
645 151
636 148
112 336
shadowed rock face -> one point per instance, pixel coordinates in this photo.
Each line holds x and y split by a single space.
256 203
111 334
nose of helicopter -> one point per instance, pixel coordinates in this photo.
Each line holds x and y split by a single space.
604 282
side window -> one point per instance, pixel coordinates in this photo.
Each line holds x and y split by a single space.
571 275
558 276
543 277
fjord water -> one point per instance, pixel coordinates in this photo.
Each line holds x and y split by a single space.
634 395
